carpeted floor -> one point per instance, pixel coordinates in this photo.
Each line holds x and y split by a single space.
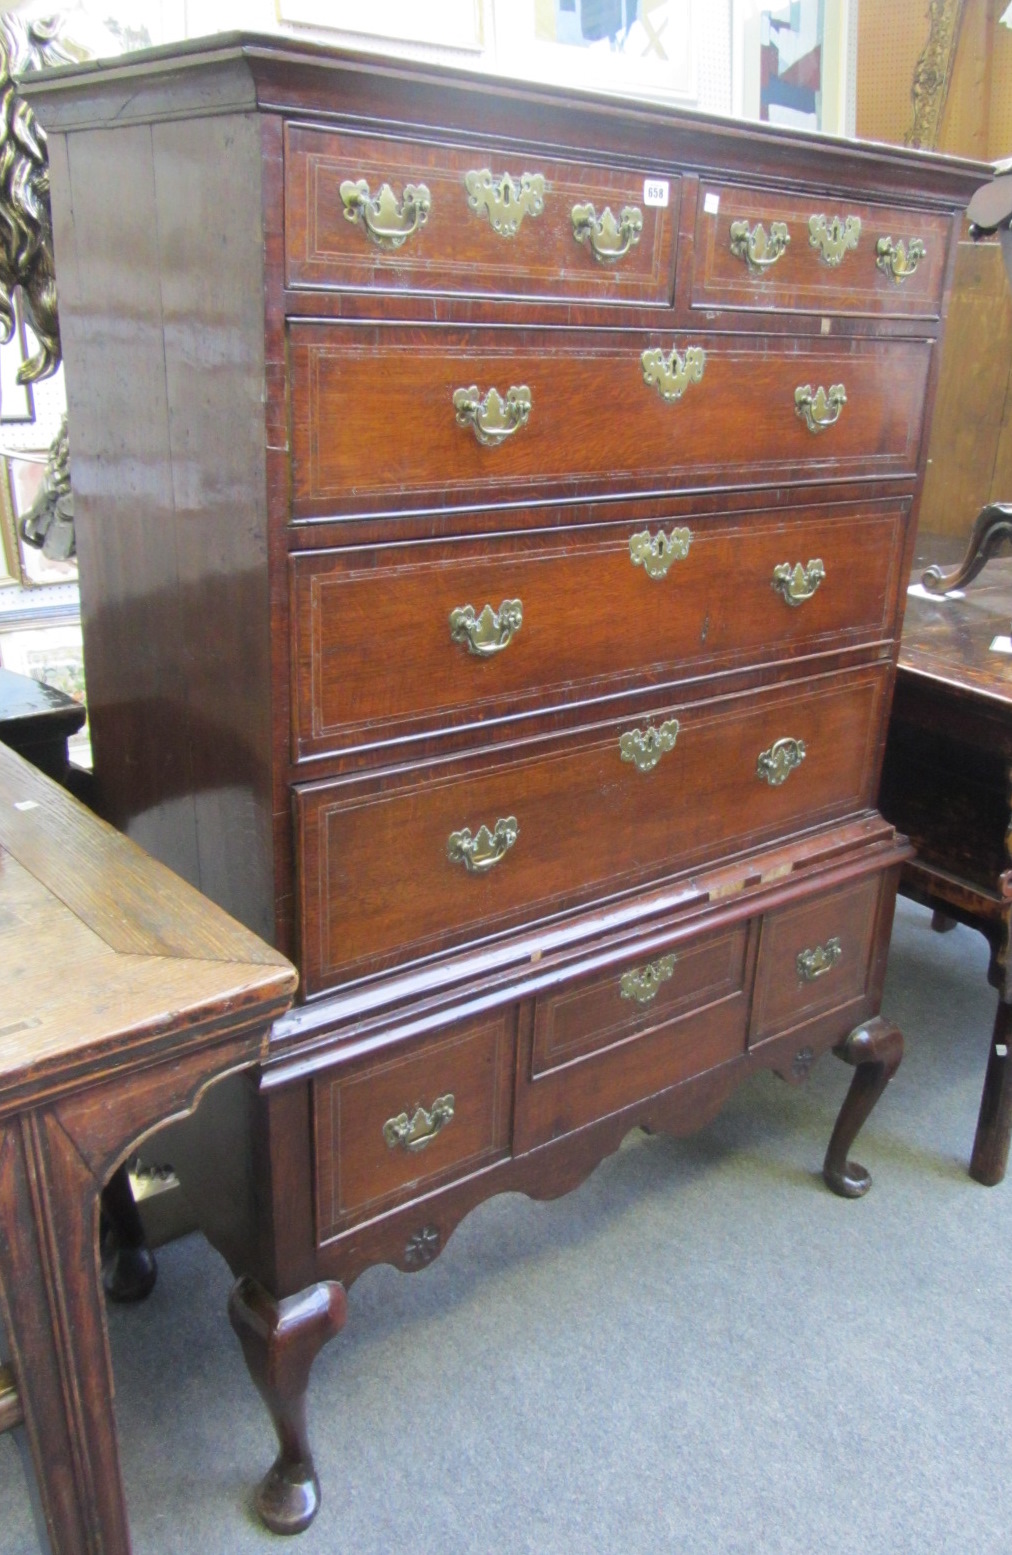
700 1350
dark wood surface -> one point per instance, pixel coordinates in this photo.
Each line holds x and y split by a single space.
125 995
37 720
279 510
946 782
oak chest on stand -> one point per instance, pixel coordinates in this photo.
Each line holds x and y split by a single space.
494 507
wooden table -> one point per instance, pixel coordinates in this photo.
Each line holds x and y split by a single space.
37 721
946 782
124 995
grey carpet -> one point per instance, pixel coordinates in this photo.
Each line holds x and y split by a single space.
701 1349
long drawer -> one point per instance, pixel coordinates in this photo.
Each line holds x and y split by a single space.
386 417
761 249
362 211
400 865
393 639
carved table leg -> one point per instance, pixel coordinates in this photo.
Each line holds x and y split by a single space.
991 1143
876 1050
281 1340
129 1270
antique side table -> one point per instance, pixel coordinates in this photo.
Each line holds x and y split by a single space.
125 994
37 721
948 769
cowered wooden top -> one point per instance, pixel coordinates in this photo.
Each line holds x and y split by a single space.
961 639
106 957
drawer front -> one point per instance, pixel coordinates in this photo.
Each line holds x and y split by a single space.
756 249
487 224
384 861
388 1130
396 639
613 1038
374 422
814 958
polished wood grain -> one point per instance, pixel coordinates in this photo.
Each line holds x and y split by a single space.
800 280
783 997
593 620
125 995
359 1173
276 520
594 425
589 823
457 250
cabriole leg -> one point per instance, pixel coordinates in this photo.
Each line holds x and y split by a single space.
875 1049
281 1340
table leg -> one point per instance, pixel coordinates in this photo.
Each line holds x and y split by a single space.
994 1124
52 1306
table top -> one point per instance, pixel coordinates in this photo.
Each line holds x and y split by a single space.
29 702
956 639
106 954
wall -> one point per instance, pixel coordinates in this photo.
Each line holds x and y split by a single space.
970 452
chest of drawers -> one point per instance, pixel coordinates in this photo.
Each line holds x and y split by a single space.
493 508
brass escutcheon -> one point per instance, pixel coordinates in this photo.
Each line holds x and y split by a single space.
485 849
504 201
796 584
753 245
819 409
607 238
493 419
642 983
833 237
416 1132
819 960
491 631
775 765
645 747
671 375
899 260
388 222
655 553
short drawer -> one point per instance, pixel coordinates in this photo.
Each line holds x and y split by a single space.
760 249
393 417
816 957
613 1038
403 864
389 1130
397 639
364 212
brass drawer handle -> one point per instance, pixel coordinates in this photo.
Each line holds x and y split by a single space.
818 961
753 245
645 747
417 1132
796 584
899 260
833 238
491 631
783 757
482 852
820 409
607 238
655 553
671 375
503 200
493 419
384 219
642 983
